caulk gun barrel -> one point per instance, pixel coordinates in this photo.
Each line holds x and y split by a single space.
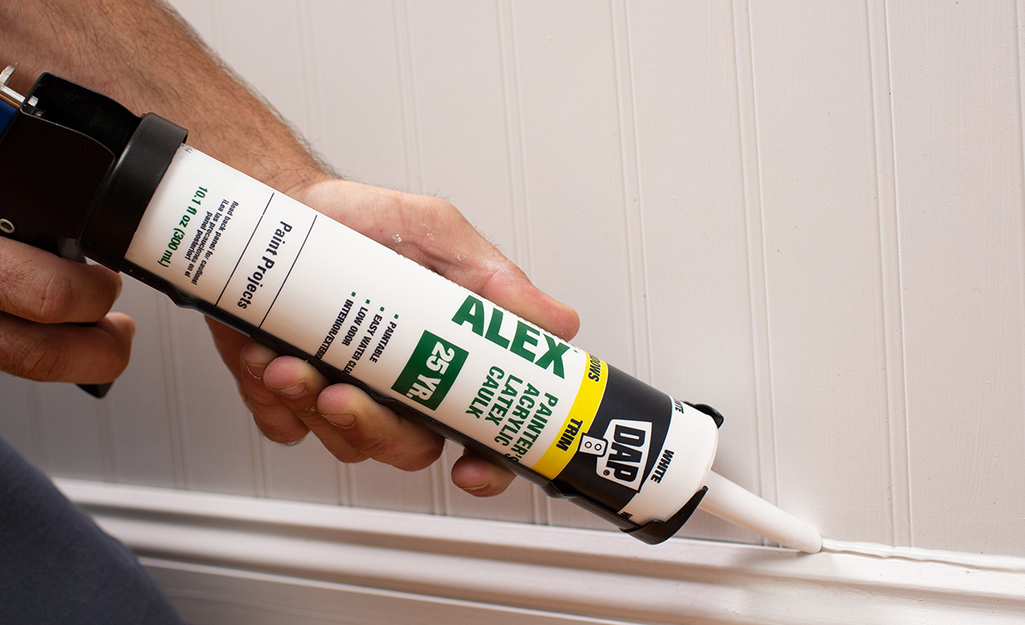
732 503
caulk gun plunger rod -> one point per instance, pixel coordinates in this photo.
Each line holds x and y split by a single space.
8 95
732 503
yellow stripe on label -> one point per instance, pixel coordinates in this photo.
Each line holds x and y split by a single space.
578 421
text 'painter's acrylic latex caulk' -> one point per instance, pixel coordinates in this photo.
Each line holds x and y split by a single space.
135 198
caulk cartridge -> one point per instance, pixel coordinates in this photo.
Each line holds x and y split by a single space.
78 167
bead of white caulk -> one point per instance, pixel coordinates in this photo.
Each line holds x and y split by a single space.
1011 564
732 503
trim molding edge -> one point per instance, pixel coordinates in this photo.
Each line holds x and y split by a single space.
567 575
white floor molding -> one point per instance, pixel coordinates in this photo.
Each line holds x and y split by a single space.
229 559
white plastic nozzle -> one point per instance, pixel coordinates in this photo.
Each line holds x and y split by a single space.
732 503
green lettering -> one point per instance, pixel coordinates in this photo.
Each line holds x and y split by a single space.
472 312
553 356
525 335
495 328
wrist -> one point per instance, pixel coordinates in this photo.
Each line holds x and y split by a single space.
293 179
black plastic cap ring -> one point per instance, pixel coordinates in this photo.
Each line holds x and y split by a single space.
127 190
655 532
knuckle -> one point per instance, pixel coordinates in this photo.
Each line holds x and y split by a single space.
414 463
261 404
407 457
303 408
12 279
117 366
43 361
54 298
278 429
427 455
376 447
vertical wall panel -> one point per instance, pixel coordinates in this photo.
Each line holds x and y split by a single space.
755 251
460 91
890 279
357 85
822 265
303 472
73 428
219 450
143 419
19 418
267 48
692 206
957 119
573 169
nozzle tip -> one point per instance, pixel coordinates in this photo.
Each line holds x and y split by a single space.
733 503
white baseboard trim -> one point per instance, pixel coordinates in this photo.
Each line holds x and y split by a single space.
230 559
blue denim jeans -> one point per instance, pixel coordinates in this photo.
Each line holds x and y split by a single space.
57 566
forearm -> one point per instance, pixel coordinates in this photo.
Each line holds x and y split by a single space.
142 54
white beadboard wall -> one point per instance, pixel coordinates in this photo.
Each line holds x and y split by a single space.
807 214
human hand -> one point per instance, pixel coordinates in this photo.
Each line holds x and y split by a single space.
55 319
289 398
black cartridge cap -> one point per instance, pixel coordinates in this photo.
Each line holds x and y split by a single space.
125 193
655 532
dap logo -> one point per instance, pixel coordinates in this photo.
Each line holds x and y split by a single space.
622 453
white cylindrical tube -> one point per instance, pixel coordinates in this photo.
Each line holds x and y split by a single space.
277 269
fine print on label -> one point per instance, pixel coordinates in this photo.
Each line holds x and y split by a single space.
408 334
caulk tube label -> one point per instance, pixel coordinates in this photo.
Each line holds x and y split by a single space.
259 256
